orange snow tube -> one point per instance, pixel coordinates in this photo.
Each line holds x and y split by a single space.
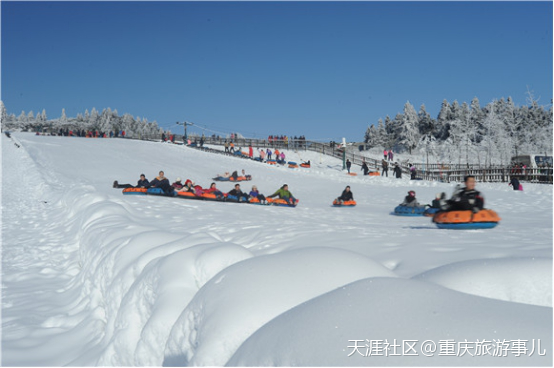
345 203
374 173
134 191
305 165
484 219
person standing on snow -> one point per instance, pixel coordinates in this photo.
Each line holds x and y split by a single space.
397 171
385 166
348 165
365 168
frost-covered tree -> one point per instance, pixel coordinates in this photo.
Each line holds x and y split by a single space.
3 116
426 123
442 123
407 132
381 133
63 118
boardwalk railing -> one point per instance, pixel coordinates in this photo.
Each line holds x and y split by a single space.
434 172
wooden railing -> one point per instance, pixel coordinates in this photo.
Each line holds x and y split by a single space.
434 172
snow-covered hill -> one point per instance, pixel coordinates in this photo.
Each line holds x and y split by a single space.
93 277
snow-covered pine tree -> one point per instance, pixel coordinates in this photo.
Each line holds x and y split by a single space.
381 133
442 122
408 129
426 124
3 116
390 137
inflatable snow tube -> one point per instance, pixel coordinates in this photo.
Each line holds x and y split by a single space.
135 191
352 174
430 212
466 220
188 195
220 178
281 202
241 178
305 166
232 198
374 173
159 191
292 164
409 211
344 204
272 162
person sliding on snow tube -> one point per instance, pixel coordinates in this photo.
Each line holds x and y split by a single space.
255 194
238 194
410 200
345 196
188 187
214 190
440 199
142 183
161 182
177 185
466 198
284 193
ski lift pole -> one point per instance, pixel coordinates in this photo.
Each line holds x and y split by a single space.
184 124
343 153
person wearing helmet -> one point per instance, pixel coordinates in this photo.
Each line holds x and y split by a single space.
410 200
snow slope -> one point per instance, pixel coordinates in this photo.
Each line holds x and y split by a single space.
93 277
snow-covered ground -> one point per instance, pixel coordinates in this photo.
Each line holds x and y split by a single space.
93 277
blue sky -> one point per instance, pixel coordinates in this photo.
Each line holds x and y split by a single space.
325 70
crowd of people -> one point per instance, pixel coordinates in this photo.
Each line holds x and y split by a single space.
236 194
66 132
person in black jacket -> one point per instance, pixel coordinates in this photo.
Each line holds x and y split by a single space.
397 170
365 168
237 192
348 165
440 198
161 182
346 195
142 183
466 198
514 183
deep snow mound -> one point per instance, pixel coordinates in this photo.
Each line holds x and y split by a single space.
377 322
253 292
521 280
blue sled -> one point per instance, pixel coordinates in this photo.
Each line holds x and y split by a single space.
430 211
159 191
409 211
468 226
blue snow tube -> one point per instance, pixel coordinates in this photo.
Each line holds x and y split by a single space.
159 191
468 226
430 211
409 211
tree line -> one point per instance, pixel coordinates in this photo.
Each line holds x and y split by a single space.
467 133
105 121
